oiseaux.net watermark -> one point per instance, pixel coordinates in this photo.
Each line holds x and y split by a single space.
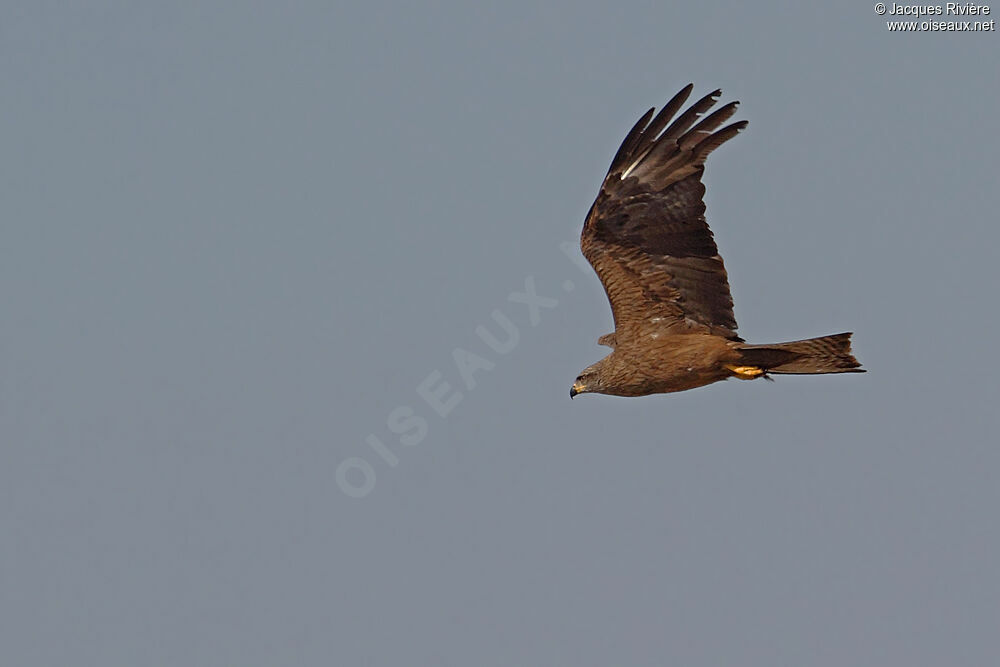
441 393
954 17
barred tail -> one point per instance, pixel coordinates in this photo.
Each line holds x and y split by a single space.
829 354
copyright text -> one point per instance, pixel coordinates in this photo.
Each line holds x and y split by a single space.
965 9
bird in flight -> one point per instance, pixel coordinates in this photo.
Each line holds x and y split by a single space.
648 241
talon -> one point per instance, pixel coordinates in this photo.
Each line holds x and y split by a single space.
746 372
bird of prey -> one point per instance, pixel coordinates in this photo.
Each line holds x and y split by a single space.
648 241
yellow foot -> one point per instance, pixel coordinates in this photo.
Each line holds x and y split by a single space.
746 372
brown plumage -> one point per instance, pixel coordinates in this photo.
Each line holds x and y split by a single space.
648 241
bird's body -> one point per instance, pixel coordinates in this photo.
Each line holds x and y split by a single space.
647 239
660 362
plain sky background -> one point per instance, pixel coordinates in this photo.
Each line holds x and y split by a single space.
237 236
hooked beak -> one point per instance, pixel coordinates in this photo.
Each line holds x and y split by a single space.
577 388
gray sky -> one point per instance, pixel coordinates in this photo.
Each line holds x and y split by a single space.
238 236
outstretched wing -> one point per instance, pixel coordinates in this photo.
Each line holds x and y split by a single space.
646 234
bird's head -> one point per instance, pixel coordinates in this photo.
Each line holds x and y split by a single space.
588 381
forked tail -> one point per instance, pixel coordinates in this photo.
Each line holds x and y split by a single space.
828 354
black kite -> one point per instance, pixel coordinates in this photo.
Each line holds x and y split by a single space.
648 241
